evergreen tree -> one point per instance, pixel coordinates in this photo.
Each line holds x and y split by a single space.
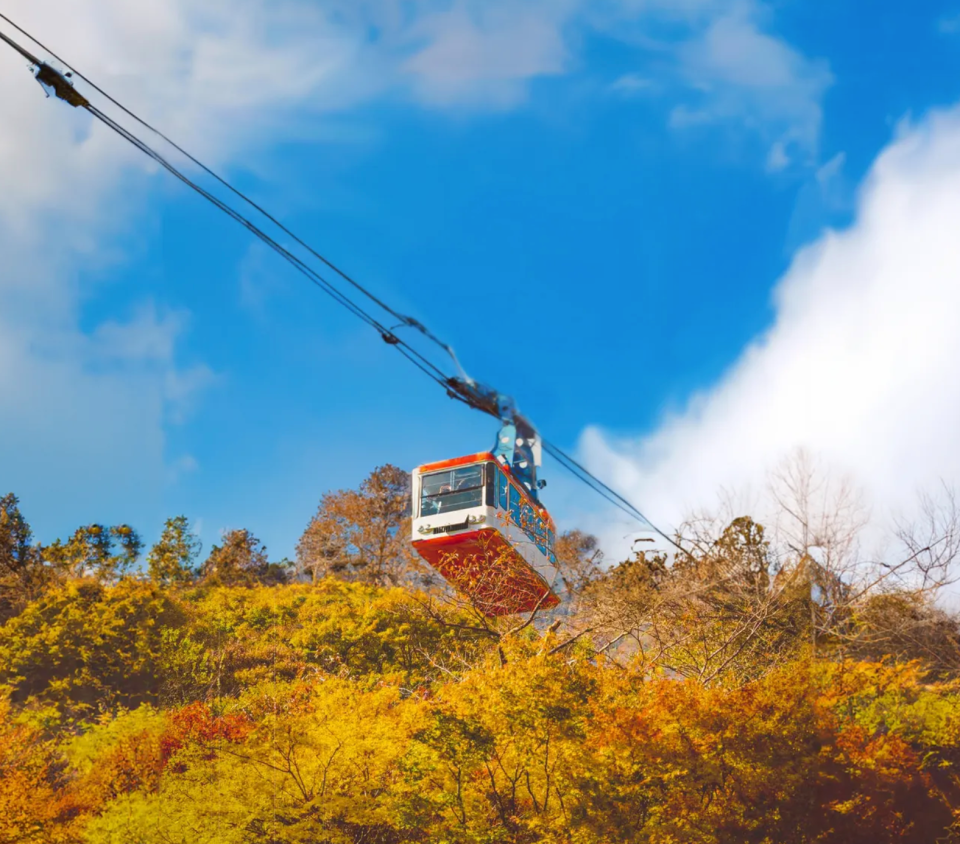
172 560
92 552
21 566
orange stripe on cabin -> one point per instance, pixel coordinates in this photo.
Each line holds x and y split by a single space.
482 457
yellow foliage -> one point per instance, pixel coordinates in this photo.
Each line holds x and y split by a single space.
318 714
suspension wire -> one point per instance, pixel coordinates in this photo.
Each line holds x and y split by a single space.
28 56
408 351
174 171
582 474
415 357
587 480
604 491
405 320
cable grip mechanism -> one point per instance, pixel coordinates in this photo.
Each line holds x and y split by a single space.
61 85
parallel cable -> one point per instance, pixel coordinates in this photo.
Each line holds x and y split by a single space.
604 491
405 320
408 351
27 55
415 357
230 212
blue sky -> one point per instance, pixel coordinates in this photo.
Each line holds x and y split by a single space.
599 204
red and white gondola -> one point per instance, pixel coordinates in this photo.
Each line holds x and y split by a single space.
476 522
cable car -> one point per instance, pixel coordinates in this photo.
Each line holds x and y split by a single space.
478 521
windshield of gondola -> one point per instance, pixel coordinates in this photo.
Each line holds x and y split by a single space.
452 489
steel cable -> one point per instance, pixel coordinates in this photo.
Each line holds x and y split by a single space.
420 361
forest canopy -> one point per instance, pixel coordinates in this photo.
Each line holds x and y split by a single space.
765 684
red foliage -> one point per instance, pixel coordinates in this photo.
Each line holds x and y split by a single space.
197 725
138 761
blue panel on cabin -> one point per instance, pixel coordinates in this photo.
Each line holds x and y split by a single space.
541 539
515 503
529 522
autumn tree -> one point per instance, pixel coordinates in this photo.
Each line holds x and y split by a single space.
740 599
814 509
579 560
86 647
907 626
675 697
363 535
548 748
21 565
882 604
36 806
105 554
241 561
172 561
716 612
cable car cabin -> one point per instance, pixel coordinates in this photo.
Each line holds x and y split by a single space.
475 524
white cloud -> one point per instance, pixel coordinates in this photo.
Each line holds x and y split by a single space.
147 343
631 84
720 59
85 405
148 336
949 25
828 174
487 52
860 365
777 158
826 195
185 464
753 78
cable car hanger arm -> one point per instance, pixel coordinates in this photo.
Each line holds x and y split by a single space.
518 443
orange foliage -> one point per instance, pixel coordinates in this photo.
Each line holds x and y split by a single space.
782 759
138 761
36 805
530 743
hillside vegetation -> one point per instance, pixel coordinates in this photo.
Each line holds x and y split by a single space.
754 689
